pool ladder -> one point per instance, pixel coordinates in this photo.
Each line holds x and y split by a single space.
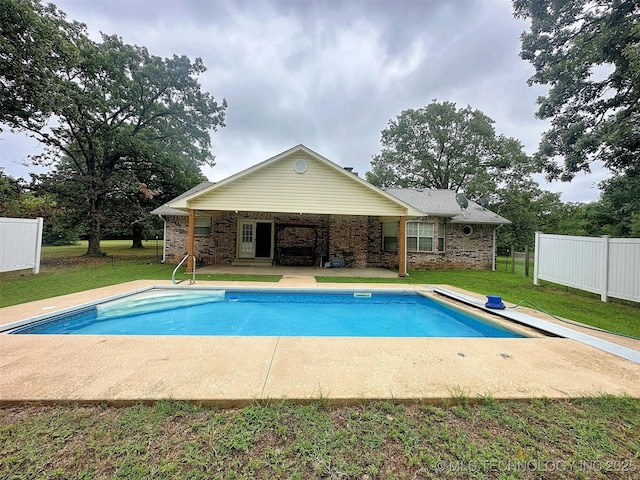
193 278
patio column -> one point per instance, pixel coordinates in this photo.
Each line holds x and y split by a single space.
191 242
402 248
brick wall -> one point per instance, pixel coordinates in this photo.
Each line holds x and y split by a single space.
462 251
220 246
339 236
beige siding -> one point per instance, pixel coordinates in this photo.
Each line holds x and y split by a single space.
277 187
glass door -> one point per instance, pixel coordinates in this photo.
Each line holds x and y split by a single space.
246 239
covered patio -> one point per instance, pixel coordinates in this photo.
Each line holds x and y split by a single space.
295 209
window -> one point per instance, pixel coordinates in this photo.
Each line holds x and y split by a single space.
420 236
203 226
441 237
390 236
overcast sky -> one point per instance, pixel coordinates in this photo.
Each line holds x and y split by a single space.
330 74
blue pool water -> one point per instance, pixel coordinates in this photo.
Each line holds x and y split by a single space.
275 313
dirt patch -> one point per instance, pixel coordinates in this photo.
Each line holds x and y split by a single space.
82 261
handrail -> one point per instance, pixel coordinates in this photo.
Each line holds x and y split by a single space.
193 279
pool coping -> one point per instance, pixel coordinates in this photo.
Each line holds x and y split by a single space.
545 326
229 371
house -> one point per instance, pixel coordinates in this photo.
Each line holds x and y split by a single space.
299 208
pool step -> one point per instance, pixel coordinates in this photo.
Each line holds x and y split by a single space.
302 281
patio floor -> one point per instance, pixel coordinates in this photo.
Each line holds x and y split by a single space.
370 272
235 371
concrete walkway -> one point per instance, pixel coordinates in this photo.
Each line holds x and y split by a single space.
235 371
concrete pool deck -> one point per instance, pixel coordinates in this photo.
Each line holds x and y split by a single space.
235 371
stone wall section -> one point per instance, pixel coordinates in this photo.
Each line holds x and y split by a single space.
340 238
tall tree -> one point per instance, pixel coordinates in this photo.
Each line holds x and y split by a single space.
619 212
588 53
36 44
440 146
530 209
119 110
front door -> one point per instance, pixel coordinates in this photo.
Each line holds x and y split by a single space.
255 239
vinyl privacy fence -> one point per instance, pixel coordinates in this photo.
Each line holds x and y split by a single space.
604 265
20 244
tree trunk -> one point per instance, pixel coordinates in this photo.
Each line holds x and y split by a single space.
93 250
137 235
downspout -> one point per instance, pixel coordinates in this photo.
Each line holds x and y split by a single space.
495 247
164 239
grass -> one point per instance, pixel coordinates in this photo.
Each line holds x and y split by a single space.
580 438
595 437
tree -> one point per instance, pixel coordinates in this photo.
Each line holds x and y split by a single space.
127 205
588 52
530 209
619 212
19 200
118 111
439 146
36 44
10 191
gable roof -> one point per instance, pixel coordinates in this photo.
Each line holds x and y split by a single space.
166 210
442 203
295 181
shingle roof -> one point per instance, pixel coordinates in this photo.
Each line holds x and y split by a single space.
442 203
165 210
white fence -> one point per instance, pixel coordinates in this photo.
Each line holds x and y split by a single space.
603 265
20 244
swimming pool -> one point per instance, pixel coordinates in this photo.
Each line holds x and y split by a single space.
273 312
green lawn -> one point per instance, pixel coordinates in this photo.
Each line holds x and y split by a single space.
589 438
64 270
596 437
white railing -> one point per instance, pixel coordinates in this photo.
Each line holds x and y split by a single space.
20 244
173 275
607 266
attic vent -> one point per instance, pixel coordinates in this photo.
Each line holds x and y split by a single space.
300 165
